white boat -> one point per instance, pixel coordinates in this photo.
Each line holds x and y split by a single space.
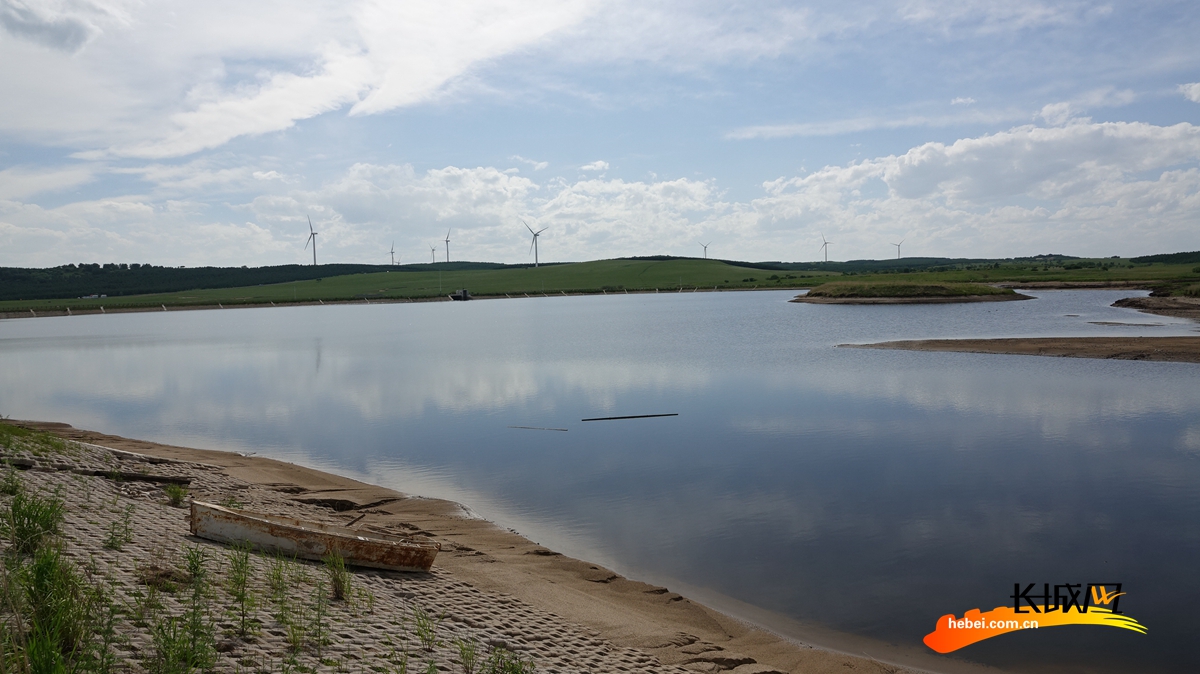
311 540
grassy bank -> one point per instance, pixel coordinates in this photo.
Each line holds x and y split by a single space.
633 275
848 289
420 282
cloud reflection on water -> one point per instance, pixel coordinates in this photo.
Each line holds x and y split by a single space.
799 477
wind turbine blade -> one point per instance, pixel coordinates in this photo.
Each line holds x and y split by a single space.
540 231
310 229
531 245
448 234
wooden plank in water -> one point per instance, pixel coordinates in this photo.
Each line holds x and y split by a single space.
632 416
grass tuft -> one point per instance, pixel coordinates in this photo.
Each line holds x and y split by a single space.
29 520
426 628
239 586
175 494
339 577
10 482
120 531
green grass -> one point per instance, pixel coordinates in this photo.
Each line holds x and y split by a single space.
38 443
632 275
858 289
339 578
583 277
29 520
175 494
1166 276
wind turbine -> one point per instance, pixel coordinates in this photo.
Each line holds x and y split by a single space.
897 245
393 252
447 245
825 247
705 247
312 238
533 246
433 255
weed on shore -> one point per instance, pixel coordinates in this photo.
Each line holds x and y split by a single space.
166 607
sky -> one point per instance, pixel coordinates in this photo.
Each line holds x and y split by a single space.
209 133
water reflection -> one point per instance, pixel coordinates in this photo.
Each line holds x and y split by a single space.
872 491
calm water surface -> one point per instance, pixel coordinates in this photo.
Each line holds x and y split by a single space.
867 491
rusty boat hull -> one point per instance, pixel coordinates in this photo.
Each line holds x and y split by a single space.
310 540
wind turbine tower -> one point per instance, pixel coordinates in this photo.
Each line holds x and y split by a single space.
897 245
312 238
533 246
447 245
432 254
825 247
705 247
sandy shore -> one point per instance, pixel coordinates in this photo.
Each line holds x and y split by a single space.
1171 349
494 586
960 299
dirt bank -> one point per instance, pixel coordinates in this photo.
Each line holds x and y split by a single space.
1179 307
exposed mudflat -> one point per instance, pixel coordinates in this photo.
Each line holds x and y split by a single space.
1178 307
911 300
1172 349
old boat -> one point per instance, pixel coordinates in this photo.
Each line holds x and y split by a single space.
311 540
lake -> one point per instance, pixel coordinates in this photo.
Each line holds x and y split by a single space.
866 491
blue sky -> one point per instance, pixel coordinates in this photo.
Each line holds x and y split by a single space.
175 133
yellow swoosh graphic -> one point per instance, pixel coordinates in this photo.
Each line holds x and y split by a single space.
951 634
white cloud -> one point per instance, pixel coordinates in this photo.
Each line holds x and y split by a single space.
1191 91
962 101
66 25
21 182
537 165
598 165
171 78
277 104
1081 188
1057 114
686 36
857 124
982 16
192 177
130 229
420 46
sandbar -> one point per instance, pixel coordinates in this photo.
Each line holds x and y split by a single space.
911 300
1170 349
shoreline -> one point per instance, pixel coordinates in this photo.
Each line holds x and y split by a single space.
91 311
1164 349
666 626
921 299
